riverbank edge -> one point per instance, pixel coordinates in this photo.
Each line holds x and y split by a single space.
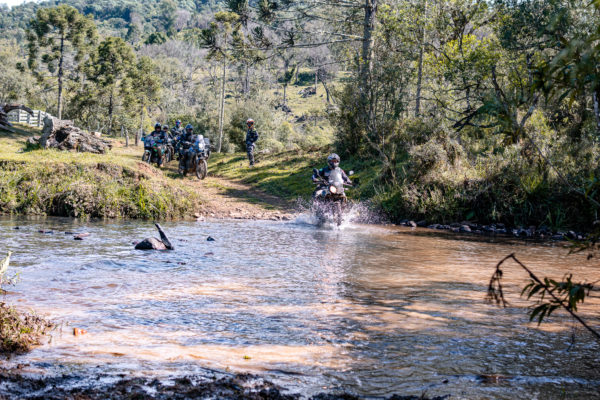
20 331
219 385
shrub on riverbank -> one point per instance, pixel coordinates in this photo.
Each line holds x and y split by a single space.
101 190
19 331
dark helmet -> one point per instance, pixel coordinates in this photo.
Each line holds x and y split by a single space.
189 127
165 127
333 160
157 125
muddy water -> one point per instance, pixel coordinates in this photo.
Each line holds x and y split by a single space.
369 309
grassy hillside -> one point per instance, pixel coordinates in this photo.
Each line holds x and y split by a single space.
50 182
287 174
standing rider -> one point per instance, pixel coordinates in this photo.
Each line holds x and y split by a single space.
251 137
333 162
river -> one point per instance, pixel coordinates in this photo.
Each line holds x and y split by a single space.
373 310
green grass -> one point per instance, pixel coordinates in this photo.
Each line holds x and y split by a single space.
84 185
288 174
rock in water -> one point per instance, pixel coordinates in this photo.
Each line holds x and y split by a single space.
62 135
150 244
156 244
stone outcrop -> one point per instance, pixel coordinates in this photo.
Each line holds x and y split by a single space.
63 135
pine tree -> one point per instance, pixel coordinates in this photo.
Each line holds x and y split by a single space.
59 39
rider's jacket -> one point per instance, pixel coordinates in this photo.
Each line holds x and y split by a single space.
155 135
251 136
326 171
161 136
176 133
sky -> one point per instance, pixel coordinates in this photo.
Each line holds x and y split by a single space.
12 2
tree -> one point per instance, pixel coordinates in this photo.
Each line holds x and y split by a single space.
142 88
223 31
59 39
109 65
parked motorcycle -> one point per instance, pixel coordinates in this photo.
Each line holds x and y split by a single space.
154 151
329 198
193 157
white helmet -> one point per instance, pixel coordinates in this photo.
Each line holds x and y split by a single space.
333 160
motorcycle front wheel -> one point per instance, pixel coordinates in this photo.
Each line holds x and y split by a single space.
201 169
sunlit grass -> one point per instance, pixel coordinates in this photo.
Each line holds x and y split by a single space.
63 183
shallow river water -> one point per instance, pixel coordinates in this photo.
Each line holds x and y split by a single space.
370 309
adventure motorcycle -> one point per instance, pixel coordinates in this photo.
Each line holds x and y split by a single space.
154 151
329 198
193 157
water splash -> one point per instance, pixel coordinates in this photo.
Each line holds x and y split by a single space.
353 213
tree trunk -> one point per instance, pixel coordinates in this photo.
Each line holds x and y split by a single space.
126 137
368 42
60 75
327 92
366 66
596 96
222 110
110 113
284 93
316 79
420 68
139 133
247 88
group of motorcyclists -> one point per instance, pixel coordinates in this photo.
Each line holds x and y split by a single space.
163 145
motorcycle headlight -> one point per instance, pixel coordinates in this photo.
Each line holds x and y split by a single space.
333 189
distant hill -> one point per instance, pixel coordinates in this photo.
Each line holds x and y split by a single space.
129 19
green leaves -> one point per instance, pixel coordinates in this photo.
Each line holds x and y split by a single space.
549 294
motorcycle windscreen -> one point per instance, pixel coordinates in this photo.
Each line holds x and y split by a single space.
335 177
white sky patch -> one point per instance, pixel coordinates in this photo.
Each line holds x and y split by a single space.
11 3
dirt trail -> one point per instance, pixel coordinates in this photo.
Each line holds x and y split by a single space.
224 198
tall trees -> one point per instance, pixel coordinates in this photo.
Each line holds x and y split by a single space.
58 40
142 88
219 38
109 65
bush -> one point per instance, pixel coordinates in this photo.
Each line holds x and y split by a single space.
19 332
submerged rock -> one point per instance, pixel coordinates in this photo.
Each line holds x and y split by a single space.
150 244
155 244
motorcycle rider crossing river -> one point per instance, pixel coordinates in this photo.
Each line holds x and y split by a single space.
333 162
329 199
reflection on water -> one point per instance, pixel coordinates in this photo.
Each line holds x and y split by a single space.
372 310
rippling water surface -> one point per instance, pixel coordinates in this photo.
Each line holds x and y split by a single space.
369 309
